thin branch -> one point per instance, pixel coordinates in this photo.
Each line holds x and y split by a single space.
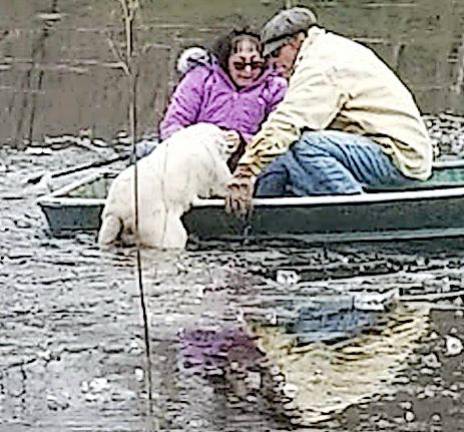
129 10
37 55
458 86
117 54
128 19
289 4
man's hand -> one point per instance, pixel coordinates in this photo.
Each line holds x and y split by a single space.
240 192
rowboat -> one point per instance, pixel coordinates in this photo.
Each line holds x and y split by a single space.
430 209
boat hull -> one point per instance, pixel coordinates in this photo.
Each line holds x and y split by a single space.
390 216
435 209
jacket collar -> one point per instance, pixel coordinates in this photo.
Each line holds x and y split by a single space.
313 34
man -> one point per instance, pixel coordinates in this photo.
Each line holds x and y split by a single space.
346 123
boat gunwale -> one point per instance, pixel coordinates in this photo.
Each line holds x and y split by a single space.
58 197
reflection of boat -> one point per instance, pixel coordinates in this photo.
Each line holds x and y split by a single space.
431 209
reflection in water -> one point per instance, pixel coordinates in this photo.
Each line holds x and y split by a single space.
307 383
23 388
323 379
212 349
227 362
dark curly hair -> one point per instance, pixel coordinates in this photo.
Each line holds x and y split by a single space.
225 45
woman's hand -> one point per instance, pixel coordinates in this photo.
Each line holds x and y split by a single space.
239 197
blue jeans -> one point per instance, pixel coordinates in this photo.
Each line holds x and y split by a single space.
329 163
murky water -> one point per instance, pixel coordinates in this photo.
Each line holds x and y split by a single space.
72 351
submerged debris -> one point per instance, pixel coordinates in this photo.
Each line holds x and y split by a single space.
454 346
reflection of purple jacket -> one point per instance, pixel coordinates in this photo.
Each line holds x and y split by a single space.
207 94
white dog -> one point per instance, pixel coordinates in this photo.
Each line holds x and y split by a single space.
191 163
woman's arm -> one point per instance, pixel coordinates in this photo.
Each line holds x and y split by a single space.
185 103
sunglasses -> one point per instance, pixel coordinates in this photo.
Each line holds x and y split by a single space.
254 65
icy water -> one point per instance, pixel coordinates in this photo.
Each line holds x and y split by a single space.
72 351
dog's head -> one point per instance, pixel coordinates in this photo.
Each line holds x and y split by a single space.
231 147
231 142
226 142
228 145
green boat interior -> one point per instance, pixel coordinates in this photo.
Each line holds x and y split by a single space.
446 176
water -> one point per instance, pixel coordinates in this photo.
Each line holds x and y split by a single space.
71 346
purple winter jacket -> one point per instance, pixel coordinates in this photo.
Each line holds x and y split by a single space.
207 94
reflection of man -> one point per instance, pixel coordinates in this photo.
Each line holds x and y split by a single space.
346 123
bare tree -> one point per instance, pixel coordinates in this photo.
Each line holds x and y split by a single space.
24 133
130 67
459 83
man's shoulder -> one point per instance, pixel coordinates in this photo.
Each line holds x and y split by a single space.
330 49
339 43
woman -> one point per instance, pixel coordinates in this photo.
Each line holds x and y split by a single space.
235 91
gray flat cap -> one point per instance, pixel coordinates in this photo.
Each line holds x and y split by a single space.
281 27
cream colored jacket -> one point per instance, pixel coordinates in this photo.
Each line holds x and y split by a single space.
342 85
